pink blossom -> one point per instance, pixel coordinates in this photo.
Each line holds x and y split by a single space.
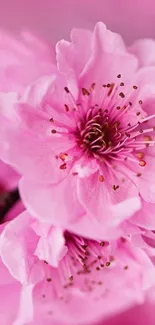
68 278
83 138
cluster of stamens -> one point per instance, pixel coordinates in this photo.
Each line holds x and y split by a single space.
84 257
101 131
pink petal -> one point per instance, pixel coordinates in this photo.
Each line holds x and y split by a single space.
107 50
35 93
144 50
25 313
55 203
33 156
106 204
21 264
145 183
69 56
51 248
145 216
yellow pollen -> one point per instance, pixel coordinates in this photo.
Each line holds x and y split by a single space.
142 163
147 138
63 156
140 155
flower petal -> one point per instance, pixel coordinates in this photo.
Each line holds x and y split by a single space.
57 204
113 205
145 216
22 264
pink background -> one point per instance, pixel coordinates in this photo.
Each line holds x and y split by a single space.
54 19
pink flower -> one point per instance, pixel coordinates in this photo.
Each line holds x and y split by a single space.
83 137
68 278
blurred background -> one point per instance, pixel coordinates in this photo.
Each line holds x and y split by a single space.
53 19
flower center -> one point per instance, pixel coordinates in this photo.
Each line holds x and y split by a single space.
97 133
83 266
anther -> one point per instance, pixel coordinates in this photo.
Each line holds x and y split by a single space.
142 163
102 243
107 263
135 87
66 89
121 95
63 166
85 92
111 89
93 85
63 156
126 267
66 108
54 131
101 178
140 155
115 187
119 76
147 138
